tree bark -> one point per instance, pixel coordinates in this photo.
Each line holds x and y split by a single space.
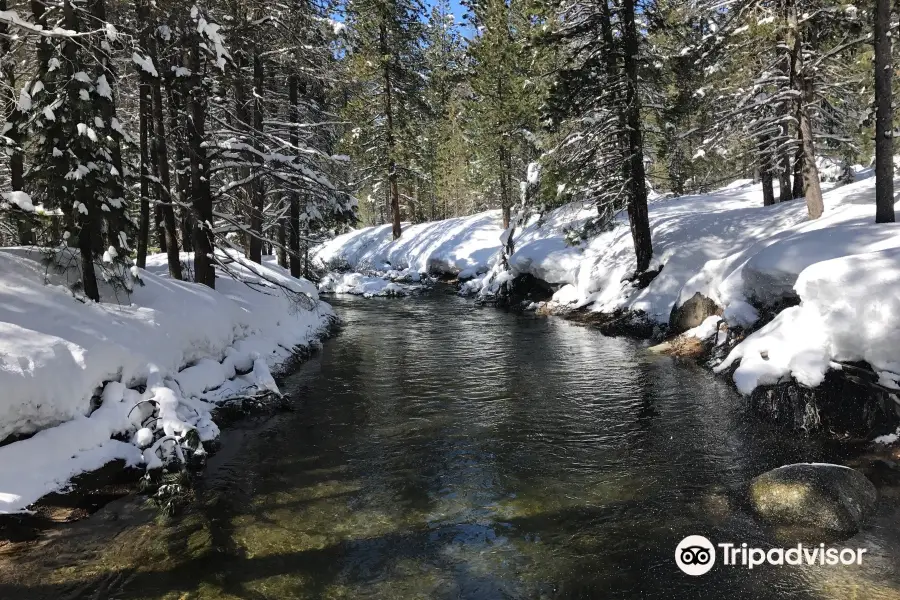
389 134
116 219
765 172
161 153
798 190
884 118
144 115
204 270
159 224
282 244
785 191
637 206
814 202
505 204
812 188
182 180
242 114
258 191
792 43
294 220
87 221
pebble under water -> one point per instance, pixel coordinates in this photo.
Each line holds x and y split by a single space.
438 450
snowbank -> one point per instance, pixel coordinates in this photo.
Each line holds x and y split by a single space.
463 244
849 312
182 341
368 286
841 268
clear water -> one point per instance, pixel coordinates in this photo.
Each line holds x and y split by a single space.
439 450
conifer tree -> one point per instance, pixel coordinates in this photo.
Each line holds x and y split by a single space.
386 62
597 106
505 98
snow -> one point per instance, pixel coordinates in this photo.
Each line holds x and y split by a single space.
848 313
262 376
24 104
182 341
567 294
367 286
842 269
205 375
103 87
889 438
20 199
449 246
144 63
705 330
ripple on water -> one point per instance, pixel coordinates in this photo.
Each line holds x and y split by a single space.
444 451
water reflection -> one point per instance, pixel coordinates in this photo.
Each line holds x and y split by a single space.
444 451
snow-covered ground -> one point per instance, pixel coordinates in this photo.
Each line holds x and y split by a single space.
392 282
464 245
844 269
158 359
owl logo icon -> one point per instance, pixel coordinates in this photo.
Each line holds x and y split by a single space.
695 555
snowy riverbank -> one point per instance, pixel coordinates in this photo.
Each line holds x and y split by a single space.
841 270
130 377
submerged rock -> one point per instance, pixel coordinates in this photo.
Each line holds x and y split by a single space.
681 347
823 496
692 313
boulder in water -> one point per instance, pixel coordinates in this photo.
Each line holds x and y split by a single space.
692 313
823 496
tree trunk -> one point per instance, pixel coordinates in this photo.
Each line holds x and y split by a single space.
159 227
792 43
785 191
765 172
116 218
389 133
144 115
294 139
798 190
86 221
44 54
161 153
282 244
256 210
182 180
676 167
204 270
637 206
242 113
803 78
504 190
810 173
884 118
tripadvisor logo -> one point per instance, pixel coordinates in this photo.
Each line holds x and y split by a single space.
696 555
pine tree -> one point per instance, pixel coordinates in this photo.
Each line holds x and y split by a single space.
386 63
444 64
74 121
505 97
884 126
597 105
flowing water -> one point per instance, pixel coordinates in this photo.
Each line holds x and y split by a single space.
439 450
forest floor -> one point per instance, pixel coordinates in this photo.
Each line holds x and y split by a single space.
812 295
135 379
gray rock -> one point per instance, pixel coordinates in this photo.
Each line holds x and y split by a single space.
823 496
692 313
